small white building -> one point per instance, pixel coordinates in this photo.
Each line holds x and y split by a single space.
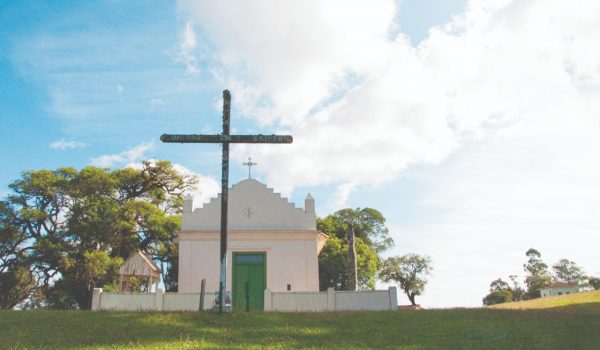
559 288
271 244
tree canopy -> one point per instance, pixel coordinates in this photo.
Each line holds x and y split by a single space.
410 271
503 292
372 238
537 274
498 297
72 229
594 282
567 271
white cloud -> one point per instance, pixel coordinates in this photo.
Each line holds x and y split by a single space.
186 51
297 52
363 105
63 145
207 188
129 156
343 193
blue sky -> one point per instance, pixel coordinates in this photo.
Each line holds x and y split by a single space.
473 126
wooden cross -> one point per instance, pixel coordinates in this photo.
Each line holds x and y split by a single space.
225 139
249 164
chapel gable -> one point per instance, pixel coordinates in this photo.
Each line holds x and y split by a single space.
252 206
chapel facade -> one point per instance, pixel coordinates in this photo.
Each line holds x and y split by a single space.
271 243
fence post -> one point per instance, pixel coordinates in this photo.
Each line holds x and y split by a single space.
393 298
96 299
268 306
158 299
202 292
330 299
247 291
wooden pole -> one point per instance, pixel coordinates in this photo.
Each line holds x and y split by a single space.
352 266
224 199
202 293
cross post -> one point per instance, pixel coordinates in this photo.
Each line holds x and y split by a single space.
225 139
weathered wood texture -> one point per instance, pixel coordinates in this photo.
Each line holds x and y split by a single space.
139 264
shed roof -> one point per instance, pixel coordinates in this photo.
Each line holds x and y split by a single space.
560 285
139 264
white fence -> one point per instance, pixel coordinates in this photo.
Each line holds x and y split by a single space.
331 300
159 301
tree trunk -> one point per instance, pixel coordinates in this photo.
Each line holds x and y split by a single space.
352 268
411 297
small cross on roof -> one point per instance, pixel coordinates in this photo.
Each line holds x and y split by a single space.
250 164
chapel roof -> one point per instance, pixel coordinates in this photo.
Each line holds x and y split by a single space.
252 206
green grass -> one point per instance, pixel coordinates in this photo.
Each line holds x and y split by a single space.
555 328
577 300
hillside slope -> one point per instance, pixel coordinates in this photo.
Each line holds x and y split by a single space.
578 300
465 329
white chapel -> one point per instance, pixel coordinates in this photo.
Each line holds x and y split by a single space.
271 243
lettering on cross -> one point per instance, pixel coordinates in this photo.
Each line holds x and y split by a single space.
225 139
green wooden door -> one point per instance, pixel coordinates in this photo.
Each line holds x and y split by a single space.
249 281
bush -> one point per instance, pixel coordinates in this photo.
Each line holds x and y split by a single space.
498 297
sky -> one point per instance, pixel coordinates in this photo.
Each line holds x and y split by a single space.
473 126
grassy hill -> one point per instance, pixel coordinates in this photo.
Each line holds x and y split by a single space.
563 327
578 300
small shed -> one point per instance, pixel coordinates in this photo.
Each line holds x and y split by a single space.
559 288
139 265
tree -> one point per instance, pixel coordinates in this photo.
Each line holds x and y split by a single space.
594 282
371 237
72 229
516 289
502 292
333 264
16 285
537 274
567 271
369 226
498 297
499 284
409 271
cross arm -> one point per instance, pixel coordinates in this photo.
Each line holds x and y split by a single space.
194 138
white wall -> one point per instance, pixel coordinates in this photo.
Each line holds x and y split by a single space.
128 301
186 301
363 300
331 300
158 301
298 301
273 301
550 292
292 258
